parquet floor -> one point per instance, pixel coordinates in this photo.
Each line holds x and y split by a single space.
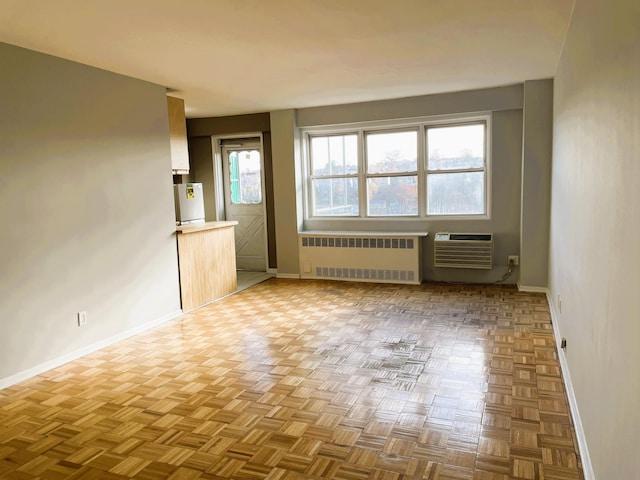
309 380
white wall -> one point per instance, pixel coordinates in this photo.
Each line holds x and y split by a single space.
86 205
595 227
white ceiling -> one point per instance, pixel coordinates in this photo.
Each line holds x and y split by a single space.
241 56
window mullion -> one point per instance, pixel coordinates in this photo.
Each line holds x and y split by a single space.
422 165
362 175
392 174
458 170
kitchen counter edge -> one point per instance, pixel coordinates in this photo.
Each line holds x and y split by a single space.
184 229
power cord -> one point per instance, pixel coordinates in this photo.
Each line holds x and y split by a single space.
508 273
501 279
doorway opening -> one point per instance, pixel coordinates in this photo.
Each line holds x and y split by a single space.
240 196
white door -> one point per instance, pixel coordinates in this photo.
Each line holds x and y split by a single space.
243 181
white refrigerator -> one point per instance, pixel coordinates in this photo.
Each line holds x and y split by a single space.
189 203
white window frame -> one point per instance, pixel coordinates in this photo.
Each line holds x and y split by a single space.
421 124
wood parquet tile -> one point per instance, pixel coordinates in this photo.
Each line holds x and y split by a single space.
309 380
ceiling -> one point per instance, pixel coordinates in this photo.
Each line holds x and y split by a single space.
228 57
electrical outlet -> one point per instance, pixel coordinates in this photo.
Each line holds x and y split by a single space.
82 319
515 259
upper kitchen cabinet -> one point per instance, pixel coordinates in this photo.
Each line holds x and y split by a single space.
178 136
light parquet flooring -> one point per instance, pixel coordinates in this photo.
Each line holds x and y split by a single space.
309 380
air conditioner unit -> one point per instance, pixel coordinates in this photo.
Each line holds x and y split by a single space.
463 250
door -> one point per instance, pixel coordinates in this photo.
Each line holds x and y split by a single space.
243 183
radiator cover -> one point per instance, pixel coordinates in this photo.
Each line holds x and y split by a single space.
363 257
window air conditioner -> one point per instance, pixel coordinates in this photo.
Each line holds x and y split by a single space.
463 250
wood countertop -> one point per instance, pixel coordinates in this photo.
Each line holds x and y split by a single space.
199 227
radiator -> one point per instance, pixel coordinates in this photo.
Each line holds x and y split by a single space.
463 250
363 257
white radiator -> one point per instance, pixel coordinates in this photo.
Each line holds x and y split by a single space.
362 257
463 250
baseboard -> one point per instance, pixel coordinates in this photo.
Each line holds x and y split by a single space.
527 288
292 276
272 270
56 362
587 467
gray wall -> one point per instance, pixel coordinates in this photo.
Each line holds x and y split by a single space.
87 208
287 191
506 104
537 142
487 99
595 227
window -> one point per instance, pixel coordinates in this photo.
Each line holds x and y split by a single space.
334 175
456 170
400 170
392 173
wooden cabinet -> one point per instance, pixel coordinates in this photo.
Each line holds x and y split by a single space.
207 261
178 136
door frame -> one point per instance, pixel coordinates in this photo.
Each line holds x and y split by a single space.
218 179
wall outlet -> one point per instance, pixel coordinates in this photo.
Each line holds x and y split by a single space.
82 319
515 258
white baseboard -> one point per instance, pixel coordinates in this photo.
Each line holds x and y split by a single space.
272 270
587 467
292 276
56 362
526 288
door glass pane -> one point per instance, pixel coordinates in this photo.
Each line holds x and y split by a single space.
245 177
392 152
335 196
392 195
455 193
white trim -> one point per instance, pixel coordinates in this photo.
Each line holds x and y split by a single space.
218 180
272 270
69 357
443 119
587 467
292 276
421 125
527 288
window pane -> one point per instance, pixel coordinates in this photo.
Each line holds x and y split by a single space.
456 147
392 195
335 196
334 155
392 152
245 177
455 193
